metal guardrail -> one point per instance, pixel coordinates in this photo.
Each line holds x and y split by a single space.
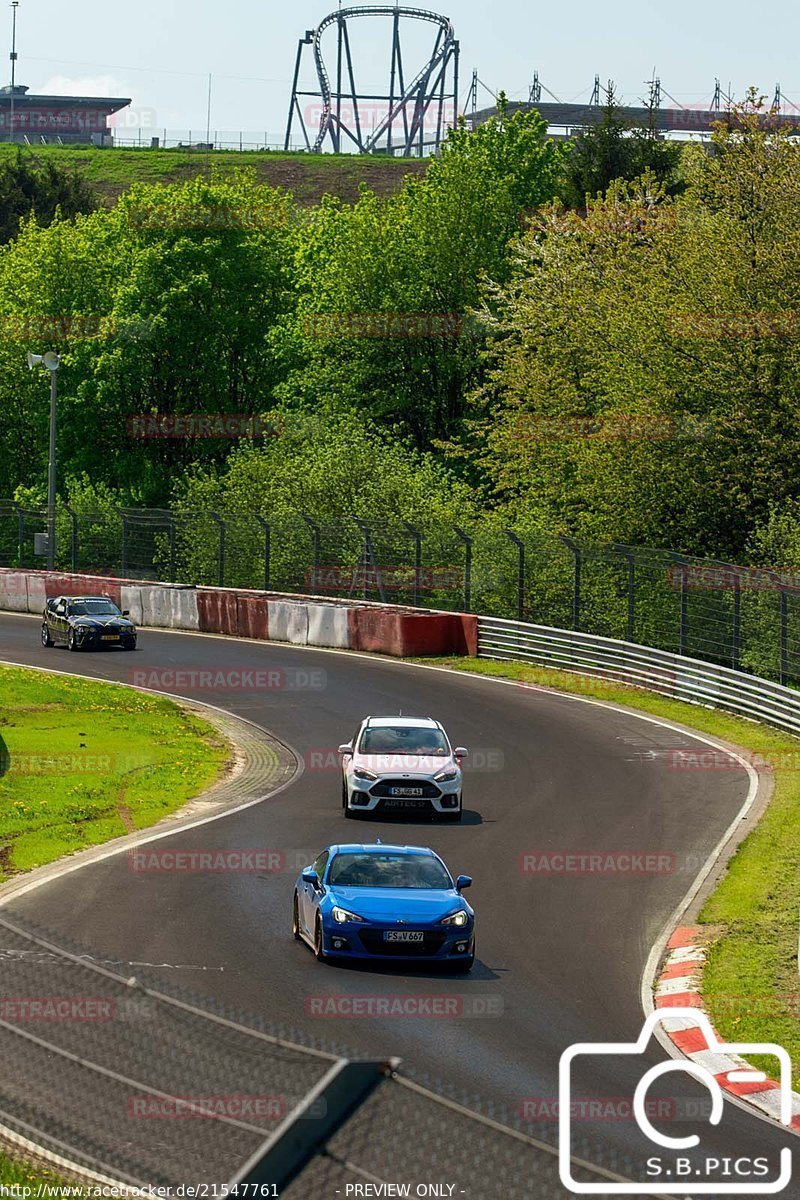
657 670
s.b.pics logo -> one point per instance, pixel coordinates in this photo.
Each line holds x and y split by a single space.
680 1165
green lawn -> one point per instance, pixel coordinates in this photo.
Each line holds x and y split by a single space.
307 176
751 983
83 762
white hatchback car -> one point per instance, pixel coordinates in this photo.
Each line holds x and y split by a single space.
402 766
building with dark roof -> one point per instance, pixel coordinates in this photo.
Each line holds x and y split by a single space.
68 119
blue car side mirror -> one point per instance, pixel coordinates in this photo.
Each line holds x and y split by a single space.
463 881
311 877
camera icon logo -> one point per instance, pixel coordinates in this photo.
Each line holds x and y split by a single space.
680 1181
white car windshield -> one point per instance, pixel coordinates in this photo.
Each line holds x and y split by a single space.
403 739
388 871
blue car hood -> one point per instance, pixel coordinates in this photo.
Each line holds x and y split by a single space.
393 904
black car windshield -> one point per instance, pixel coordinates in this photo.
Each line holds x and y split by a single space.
403 739
388 871
93 608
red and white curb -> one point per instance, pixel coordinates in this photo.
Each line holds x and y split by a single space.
679 985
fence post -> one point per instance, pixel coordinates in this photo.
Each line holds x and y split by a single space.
736 625
627 554
576 580
369 558
314 527
21 536
467 540
417 536
173 549
221 548
683 632
784 637
265 526
518 542
74 540
124 565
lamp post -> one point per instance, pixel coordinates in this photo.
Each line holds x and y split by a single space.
50 362
13 56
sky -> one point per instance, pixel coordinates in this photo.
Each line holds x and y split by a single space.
161 52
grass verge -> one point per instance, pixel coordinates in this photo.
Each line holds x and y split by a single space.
83 762
308 177
750 983
17 1174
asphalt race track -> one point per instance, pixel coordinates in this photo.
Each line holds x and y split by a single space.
559 955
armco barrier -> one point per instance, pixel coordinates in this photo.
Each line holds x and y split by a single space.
657 670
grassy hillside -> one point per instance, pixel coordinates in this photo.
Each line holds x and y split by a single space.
307 176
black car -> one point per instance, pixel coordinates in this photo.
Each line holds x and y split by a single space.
86 622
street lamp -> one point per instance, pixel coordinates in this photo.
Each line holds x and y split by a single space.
50 362
13 57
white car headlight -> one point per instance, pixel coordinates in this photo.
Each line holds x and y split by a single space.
457 918
363 773
446 776
340 915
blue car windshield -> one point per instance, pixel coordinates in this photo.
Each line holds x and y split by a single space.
388 871
93 608
402 739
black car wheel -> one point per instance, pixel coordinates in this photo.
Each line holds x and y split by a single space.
129 645
319 953
295 920
46 639
72 641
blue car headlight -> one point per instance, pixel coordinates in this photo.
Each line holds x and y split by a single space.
340 915
459 918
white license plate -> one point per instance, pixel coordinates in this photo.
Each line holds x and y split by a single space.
405 791
109 637
402 935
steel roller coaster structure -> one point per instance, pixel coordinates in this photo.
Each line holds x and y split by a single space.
414 116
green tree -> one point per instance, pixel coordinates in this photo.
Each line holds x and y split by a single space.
617 148
419 253
42 190
646 371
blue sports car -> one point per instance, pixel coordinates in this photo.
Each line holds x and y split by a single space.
393 903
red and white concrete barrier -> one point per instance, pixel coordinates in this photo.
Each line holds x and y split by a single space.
298 620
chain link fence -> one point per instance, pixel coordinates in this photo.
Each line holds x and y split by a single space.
738 616
140 1082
